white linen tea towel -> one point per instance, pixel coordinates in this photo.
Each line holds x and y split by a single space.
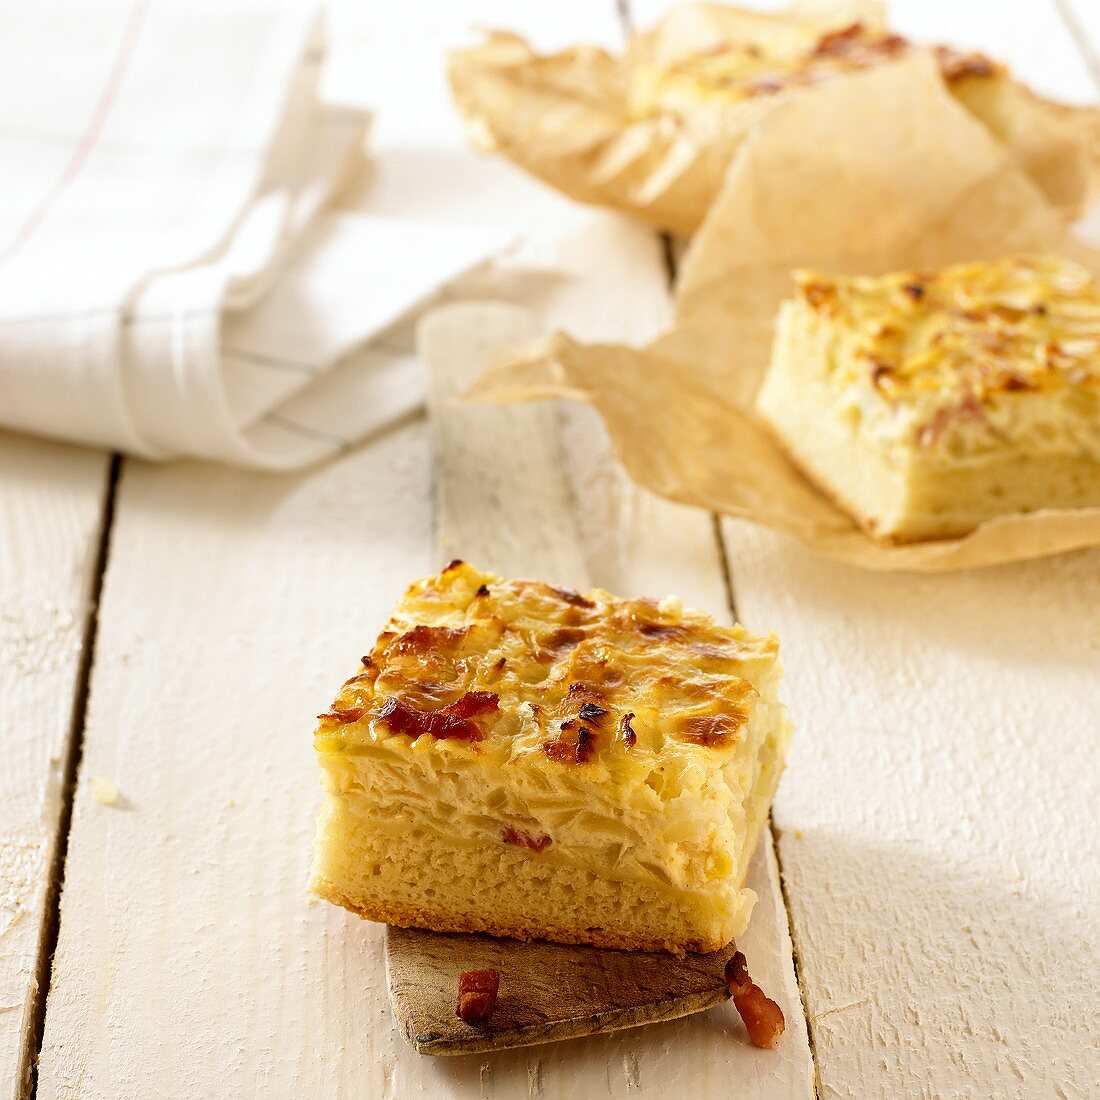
169 283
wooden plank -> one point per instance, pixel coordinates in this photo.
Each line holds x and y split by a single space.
189 961
226 621
936 826
52 500
937 823
940 865
502 504
483 453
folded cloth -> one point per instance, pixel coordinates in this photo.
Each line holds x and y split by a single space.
170 284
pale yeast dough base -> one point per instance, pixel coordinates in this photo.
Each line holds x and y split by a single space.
904 494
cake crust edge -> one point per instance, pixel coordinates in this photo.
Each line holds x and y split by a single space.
410 916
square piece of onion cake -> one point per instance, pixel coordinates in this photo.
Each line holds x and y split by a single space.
927 403
526 761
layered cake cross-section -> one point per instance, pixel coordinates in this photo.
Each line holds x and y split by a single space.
527 761
926 403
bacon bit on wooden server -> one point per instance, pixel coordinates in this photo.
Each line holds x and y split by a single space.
477 995
763 1017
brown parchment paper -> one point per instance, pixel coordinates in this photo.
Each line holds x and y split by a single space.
566 117
881 172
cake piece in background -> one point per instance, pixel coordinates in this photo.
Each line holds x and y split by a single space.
785 56
926 403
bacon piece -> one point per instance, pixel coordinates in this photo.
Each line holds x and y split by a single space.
525 840
570 748
762 1016
626 730
423 639
586 745
859 49
969 408
879 373
477 995
452 721
954 64
892 45
581 693
344 714
473 702
839 42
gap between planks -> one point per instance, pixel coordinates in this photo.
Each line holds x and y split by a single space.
671 253
772 831
27 1074
51 912
1071 13
1075 18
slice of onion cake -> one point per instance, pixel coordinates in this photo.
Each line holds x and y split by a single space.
527 761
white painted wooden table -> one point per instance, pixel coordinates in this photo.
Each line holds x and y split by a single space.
936 828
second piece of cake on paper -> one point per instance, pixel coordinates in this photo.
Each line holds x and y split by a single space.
787 55
927 403
527 761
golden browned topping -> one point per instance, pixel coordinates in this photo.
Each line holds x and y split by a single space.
963 334
522 667
730 71
572 744
762 1016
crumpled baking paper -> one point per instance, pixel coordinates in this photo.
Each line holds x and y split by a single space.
880 172
566 118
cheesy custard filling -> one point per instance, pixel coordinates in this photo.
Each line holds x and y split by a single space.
525 760
929 402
